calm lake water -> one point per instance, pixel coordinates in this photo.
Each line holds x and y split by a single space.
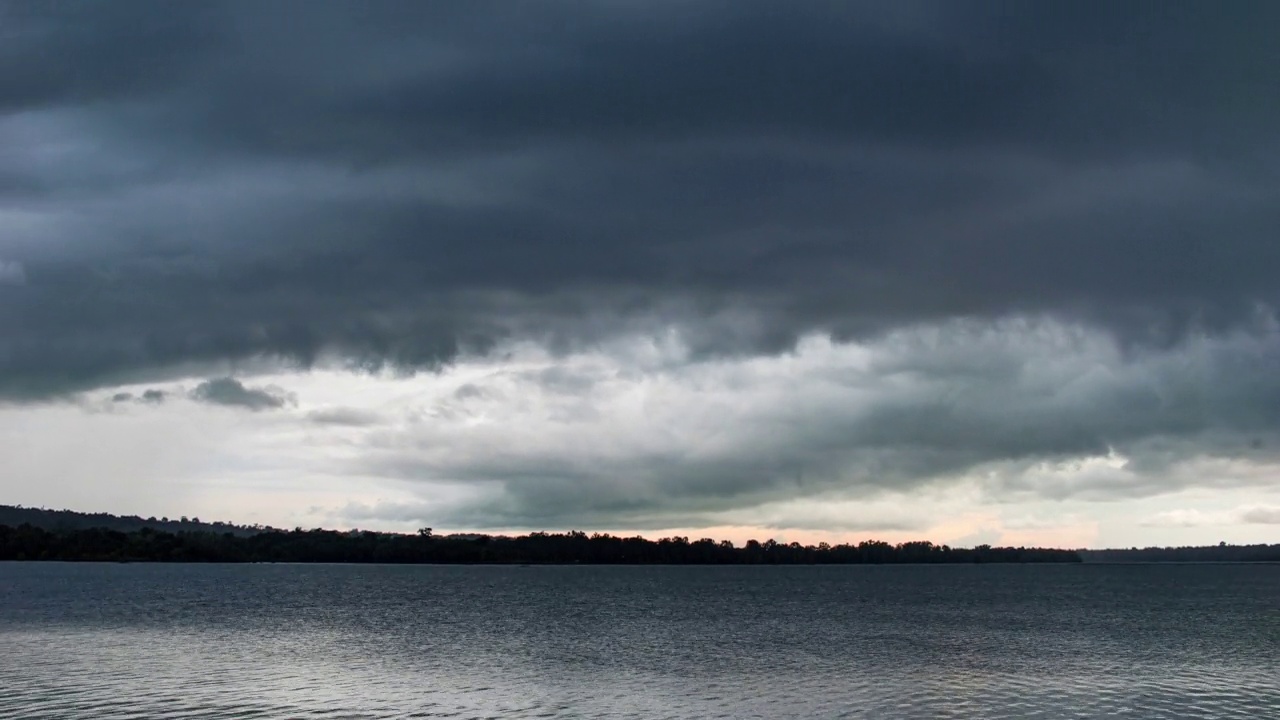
289 641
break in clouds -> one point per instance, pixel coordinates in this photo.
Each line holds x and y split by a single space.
764 253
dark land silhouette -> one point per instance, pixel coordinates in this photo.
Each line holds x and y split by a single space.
64 520
39 534
27 542
1208 553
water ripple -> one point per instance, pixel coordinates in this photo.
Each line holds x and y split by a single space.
175 641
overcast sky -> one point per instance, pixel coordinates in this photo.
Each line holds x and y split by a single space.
962 271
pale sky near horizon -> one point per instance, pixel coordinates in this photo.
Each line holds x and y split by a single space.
487 444
971 272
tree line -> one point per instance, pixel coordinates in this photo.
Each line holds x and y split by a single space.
27 542
15 515
1221 552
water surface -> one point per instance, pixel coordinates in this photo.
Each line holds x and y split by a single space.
306 641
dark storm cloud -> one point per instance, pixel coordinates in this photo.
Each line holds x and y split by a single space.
12 273
233 393
375 183
78 53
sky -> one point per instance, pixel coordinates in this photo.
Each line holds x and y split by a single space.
971 272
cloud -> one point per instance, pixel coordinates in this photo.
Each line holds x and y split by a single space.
1194 517
1261 515
12 273
672 260
1191 517
153 396
345 416
231 392
570 175
150 396
646 434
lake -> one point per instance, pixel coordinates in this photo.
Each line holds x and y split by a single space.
346 641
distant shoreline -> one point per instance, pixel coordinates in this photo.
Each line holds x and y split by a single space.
305 563
65 535
27 542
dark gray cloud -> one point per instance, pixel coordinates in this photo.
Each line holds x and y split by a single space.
12 273
398 183
150 396
231 392
153 396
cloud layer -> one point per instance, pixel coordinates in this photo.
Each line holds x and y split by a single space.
401 183
642 434
717 256
233 393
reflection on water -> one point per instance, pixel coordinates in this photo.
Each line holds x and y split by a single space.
192 641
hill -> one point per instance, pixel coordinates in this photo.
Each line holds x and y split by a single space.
66 520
